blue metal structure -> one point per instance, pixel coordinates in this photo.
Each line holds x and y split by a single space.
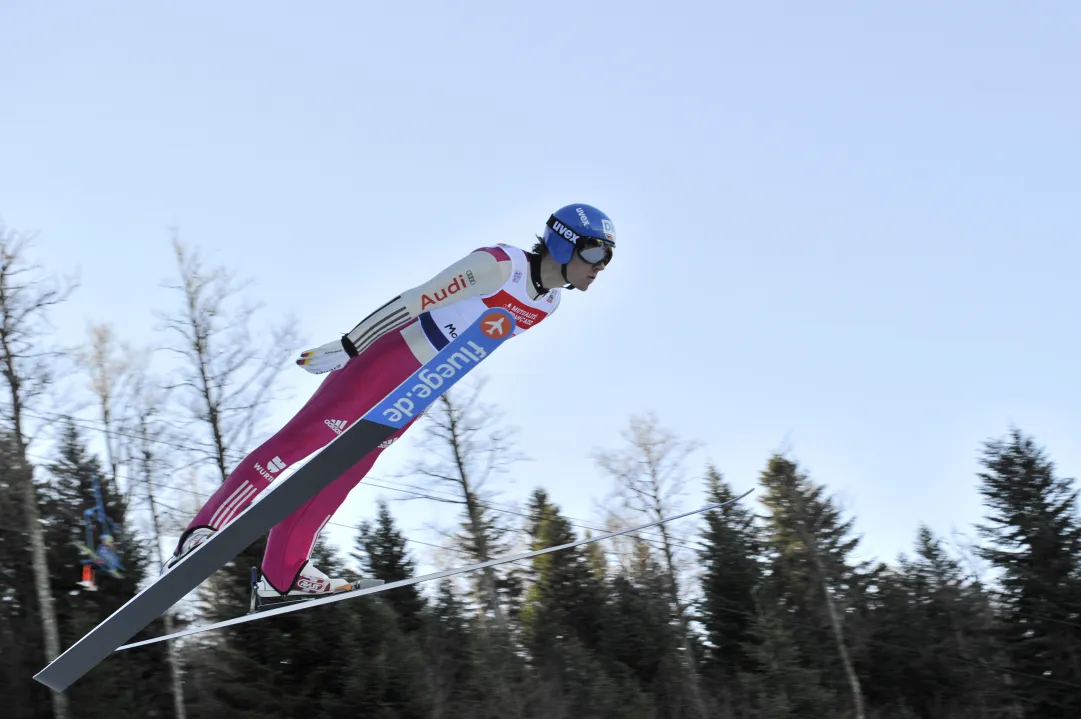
104 557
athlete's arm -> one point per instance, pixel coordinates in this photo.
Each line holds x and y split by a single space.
480 272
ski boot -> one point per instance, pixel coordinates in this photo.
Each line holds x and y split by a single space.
309 584
189 541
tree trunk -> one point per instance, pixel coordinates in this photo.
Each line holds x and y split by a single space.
649 477
108 370
474 451
483 555
175 669
49 626
838 632
175 661
673 588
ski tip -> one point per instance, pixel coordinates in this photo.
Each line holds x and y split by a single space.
721 505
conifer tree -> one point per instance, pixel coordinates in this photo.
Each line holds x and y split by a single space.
565 598
563 622
135 683
449 655
22 648
783 686
347 658
1033 539
929 636
812 572
641 635
381 553
731 559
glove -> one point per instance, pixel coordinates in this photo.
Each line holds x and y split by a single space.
325 358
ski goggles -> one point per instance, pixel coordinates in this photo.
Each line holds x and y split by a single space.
593 250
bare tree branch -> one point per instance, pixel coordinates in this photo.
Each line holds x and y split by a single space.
650 479
226 374
470 444
129 403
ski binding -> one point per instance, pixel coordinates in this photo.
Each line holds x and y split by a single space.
258 603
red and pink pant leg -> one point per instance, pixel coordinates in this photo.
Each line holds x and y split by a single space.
344 396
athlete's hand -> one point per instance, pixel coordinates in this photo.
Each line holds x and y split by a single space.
325 358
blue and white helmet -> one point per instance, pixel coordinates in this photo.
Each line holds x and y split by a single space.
576 226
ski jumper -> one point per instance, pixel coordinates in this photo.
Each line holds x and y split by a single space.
390 345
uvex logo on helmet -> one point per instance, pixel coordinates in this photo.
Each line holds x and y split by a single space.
560 229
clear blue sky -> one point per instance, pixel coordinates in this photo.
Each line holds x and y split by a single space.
847 229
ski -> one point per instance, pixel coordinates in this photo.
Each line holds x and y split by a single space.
341 596
408 400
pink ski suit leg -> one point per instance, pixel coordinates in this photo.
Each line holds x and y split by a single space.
296 440
291 541
342 398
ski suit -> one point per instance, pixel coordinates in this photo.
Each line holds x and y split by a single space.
391 344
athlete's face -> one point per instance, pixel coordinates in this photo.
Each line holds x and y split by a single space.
582 274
